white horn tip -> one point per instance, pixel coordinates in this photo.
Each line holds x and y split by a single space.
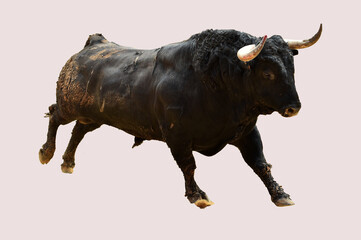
249 52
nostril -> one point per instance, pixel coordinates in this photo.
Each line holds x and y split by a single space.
290 110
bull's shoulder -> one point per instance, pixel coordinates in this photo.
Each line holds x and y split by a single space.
95 39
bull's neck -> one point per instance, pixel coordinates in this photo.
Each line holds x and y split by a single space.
242 105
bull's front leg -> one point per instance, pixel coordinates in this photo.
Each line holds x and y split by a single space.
185 160
252 151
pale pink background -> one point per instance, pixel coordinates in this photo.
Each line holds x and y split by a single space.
121 193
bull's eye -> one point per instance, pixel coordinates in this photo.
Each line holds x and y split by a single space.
268 75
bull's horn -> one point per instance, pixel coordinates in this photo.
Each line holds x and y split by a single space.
249 52
299 44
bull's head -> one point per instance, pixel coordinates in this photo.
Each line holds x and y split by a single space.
272 73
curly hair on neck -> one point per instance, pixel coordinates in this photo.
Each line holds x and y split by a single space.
215 42
210 45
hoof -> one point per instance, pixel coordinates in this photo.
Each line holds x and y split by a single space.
284 202
42 158
66 169
203 203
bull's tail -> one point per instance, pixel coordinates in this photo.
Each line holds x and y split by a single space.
51 110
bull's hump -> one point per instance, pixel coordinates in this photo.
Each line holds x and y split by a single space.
97 38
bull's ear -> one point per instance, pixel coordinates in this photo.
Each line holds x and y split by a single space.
294 52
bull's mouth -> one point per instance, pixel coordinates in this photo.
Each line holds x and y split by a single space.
266 110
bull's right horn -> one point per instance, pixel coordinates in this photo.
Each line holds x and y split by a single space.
249 52
299 44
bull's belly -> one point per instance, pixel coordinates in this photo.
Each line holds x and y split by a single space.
147 131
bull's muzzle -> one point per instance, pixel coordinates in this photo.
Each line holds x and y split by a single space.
291 111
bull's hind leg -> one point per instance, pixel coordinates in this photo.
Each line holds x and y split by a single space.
252 151
48 149
186 162
78 133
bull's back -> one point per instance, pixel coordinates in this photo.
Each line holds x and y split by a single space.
109 84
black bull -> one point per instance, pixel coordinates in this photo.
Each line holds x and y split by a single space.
195 95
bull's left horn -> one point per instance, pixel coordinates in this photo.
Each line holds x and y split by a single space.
249 52
299 44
